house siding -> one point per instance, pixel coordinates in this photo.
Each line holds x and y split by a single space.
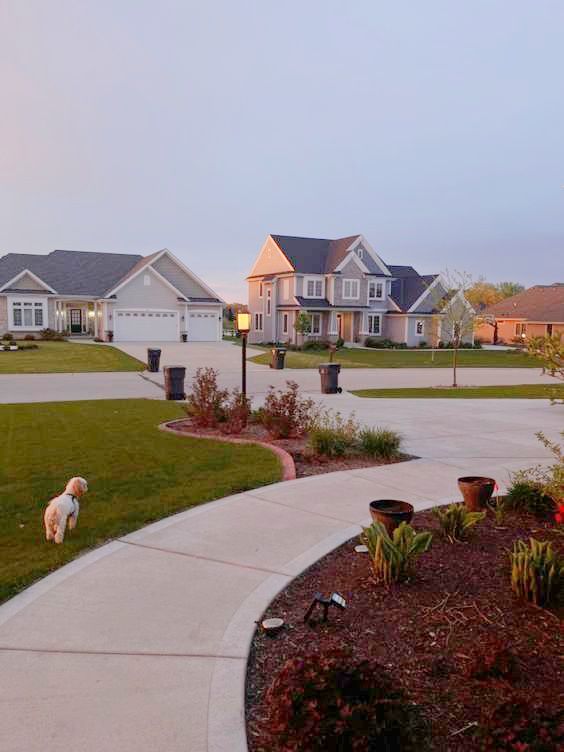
271 260
27 283
177 277
506 332
136 295
3 315
394 328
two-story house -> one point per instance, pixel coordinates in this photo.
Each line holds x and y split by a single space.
345 288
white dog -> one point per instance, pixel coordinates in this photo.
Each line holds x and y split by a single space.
63 509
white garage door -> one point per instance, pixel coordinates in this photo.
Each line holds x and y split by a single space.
202 326
147 325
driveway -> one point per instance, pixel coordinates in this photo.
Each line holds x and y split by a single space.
226 358
141 645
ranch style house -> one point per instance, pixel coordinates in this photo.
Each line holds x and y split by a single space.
127 297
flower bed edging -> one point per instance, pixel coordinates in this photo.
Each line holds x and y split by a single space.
286 461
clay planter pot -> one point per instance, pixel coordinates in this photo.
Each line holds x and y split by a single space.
391 513
476 491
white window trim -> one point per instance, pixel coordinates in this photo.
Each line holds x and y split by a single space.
375 283
313 316
314 280
422 322
353 282
27 299
367 325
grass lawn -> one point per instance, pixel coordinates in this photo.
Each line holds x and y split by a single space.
357 358
519 391
136 474
67 357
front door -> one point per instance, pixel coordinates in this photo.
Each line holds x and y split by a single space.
75 320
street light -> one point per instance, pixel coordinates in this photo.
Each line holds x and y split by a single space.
244 327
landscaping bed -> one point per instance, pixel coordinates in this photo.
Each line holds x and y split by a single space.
305 460
453 636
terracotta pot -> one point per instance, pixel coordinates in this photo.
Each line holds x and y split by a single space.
391 512
476 491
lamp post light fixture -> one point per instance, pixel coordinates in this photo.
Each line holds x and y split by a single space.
244 327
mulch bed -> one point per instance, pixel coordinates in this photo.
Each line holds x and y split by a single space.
305 462
425 631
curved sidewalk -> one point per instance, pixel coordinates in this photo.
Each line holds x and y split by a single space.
140 645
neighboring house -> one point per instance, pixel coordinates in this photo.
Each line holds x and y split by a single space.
347 291
135 298
532 313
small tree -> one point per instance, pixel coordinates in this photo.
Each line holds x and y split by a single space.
302 324
509 289
550 351
457 315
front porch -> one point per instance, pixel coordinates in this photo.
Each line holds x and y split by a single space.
352 326
79 318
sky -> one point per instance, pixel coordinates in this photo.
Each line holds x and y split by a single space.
435 129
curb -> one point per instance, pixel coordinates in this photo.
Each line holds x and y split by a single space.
286 461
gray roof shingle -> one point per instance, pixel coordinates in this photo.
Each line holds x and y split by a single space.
72 272
408 285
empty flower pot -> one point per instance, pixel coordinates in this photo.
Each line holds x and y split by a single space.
476 491
391 513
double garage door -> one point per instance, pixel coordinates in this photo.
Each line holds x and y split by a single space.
163 326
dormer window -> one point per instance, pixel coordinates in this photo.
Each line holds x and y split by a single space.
313 287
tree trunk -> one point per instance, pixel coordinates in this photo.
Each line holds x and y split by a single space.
454 357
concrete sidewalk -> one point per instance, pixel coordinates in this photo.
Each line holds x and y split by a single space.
141 645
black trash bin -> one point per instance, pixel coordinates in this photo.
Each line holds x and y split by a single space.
174 382
153 360
277 355
330 378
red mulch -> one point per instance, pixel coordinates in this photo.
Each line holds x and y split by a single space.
425 630
305 462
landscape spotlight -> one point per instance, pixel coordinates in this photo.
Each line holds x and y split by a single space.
319 599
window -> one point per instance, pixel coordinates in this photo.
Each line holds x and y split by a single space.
260 289
419 328
350 288
374 324
520 330
147 280
313 287
375 290
285 324
360 253
549 330
27 314
258 322
268 302
316 323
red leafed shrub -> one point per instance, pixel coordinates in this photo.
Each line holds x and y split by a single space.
336 703
520 725
206 400
285 413
236 411
493 659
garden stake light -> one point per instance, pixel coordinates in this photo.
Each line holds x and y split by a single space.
320 600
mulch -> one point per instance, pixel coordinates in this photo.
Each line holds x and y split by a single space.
425 631
306 463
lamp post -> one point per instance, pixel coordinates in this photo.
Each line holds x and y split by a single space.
244 327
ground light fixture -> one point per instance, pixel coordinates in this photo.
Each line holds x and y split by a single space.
244 327
325 602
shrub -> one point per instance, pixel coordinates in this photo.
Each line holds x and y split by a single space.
49 334
314 344
519 724
235 413
331 435
339 343
8 337
537 572
526 495
422 344
285 413
29 337
380 442
206 400
98 339
393 558
330 703
456 521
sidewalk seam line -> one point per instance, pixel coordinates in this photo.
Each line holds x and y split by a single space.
299 509
126 653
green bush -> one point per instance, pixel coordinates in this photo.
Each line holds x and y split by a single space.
331 435
379 442
526 495
339 343
393 558
8 337
315 345
537 572
422 344
456 521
